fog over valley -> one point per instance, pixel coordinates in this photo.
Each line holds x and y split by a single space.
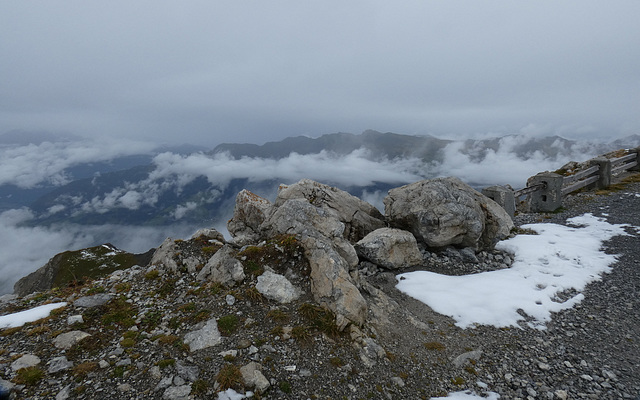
63 194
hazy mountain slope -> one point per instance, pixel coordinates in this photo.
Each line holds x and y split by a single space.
389 145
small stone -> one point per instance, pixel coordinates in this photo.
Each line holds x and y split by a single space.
58 364
243 343
124 362
177 392
188 372
277 287
66 340
229 353
75 319
586 377
544 366
164 383
155 372
103 364
230 300
253 377
398 381
93 301
64 394
26 361
207 336
124 387
561 394
178 381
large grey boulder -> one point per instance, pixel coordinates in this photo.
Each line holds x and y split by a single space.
390 248
445 211
330 256
223 267
358 216
249 213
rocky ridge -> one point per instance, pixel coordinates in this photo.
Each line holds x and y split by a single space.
191 324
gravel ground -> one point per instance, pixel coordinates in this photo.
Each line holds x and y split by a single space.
591 351
404 351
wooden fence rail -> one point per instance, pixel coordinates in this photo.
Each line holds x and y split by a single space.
545 190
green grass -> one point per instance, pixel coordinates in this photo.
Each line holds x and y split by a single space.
228 324
29 376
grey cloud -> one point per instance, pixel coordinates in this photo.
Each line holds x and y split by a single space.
226 71
32 165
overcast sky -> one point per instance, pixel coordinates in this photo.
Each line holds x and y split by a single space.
207 72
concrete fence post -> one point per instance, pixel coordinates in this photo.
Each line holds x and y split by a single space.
604 174
549 198
637 167
503 196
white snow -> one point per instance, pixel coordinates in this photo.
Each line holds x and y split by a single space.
557 259
231 394
20 318
468 394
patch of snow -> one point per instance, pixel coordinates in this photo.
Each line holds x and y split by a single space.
20 318
468 394
558 259
231 394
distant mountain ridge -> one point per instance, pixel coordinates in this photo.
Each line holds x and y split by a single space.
389 145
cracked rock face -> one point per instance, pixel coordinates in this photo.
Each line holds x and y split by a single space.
322 235
358 216
445 211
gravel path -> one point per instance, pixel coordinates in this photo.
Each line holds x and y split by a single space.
593 350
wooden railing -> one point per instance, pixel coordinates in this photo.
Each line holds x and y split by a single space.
545 190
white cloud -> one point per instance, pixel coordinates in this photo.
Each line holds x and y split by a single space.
33 165
486 167
182 210
353 169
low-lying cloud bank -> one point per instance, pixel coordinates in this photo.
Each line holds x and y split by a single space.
506 164
28 166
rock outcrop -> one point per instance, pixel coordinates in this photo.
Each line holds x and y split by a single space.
77 265
249 213
330 256
358 216
445 211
